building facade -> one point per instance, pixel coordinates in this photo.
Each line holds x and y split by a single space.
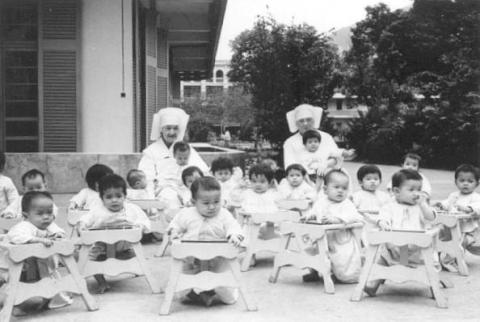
88 75
215 86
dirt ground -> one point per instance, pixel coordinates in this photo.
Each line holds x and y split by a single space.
289 299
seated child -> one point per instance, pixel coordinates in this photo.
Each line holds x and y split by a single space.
38 226
294 186
261 196
369 199
333 207
32 180
207 220
138 186
8 192
172 168
87 198
113 212
222 170
412 161
464 200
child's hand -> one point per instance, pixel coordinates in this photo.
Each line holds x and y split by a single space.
348 153
57 235
47 242
465 209
421 198
236 240
72 206
8 215
439 206
384 225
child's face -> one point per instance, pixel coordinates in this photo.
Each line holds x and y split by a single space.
208 203
113 199
294 178
40 213
312 144
466 182
370 182
190 179
337 187
260 183
34 184
408 192
141 183
182 157
411 164
223 175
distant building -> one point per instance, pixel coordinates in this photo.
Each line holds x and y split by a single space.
88 75
206 88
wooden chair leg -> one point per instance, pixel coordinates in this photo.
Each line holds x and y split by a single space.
432 276
459 251
325 265
252 232
11 290
367 268
163 247
276 267
175 272
235 269
87 298
154 285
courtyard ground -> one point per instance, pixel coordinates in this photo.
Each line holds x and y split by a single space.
289 299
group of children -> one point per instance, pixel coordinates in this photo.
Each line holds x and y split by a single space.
202 206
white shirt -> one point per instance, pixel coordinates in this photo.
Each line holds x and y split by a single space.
265 203
403 217
294 151
344 210
25 231
86 199
8 192
370 201
100 216
471 200
303 191
139 194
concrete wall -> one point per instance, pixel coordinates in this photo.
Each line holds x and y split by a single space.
106 117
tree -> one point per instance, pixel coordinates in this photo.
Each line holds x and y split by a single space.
282 66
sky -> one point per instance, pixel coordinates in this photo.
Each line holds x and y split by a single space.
322 14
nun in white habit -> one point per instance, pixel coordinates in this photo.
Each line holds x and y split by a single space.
168 126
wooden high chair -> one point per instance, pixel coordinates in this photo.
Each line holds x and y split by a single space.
294 205
305 236
453 247
158 224
18 292
73 218
252 223
401 272
204 280
112 266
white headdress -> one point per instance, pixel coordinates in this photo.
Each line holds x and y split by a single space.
304 111
169 116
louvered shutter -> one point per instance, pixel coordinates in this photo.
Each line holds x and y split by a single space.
162 69
59 55
151 70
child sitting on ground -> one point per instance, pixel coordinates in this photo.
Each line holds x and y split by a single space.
412 161
38 226
294 186
112 213
8 192
467 201
333 207
222 169
369 199
32 180
207 220
87 198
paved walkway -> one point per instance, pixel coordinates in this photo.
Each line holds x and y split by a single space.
289 299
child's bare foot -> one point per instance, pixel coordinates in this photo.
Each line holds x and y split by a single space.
102 283
207 297
102 288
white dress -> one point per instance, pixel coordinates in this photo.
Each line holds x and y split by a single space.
8 192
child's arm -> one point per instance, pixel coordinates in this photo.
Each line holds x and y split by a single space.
78 201
384 219
427 211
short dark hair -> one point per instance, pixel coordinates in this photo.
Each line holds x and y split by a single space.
189 171
413 156
111 181
31 174
133 176
261 170
469 169
181 146
29 196
328 176
2 160
403 175
311 134
204 183
95 173
296 166
222 163
368 169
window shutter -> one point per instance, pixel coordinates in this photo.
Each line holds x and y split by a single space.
59 55
162 69
151 70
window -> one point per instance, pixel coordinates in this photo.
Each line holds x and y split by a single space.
219 76
191 91
214 91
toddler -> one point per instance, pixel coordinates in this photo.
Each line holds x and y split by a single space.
172 169
261 196
113 212
207 220
137 181
294 186
412 161
38 226
333 207
465 200
87 198
8 192
222 169
32 180
369 199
